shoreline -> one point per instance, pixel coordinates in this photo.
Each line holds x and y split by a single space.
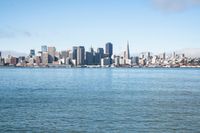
89 67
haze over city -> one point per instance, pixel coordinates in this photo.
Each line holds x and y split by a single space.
100 66
149 25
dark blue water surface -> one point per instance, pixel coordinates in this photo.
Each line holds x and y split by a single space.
99 100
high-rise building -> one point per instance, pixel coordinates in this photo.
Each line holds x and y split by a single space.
64 54
51 52
89 60
97 59
13 61
101 52
32 53
44 58
80 55
148 55
135 60
44 48
127 56
105 62
57 56
92 50
163 56
21 59
174 55
74 53
0 54
109 49
38 60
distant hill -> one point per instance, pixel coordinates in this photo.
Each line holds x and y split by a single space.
190 52
13 53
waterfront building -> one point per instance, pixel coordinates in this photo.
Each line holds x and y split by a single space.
163 56
51 54
109 50
21 59
154 60
13 60
182 55
80 55
68 53
1 60
174 55
117 61
74 52
92 50
31 61
142 62
122 61
44 48
101 52
64 54
89 58
148 56
32 53
142 55
38 60
105 62
127 53
135 61
71 55
57 56
128 61
39 53
44 58
67 61
74 62
97 59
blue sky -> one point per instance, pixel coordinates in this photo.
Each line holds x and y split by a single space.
149 25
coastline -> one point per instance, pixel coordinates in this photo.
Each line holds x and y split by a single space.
98 67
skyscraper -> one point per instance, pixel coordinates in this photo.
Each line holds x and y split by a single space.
51 54
44 48
74 53
127 56
101 52
109 49
80 55
89 58
32 52
0 54
44 58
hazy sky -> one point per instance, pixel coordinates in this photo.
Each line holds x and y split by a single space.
149 25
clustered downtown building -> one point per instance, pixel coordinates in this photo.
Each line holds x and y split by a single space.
79 57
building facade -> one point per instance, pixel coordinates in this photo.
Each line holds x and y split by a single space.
80 55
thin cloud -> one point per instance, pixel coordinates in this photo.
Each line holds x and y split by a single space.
27 33
12 33
6 34
176 5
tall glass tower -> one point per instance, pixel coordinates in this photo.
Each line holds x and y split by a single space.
109 49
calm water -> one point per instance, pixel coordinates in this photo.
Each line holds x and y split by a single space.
100 100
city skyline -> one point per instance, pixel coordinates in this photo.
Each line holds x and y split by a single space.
155 25
49 56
